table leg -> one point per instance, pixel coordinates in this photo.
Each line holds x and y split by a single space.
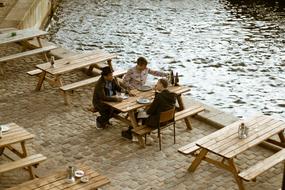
2 150
235 171
41 80
198 160
135 125
281 136
24 149
40 44
182 107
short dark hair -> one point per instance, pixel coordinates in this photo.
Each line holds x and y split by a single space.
142 61
164 82
106 70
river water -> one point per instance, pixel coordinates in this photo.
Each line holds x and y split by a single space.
230 52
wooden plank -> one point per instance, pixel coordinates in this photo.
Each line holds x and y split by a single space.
21 35
28 161
188 112
224 133
234 142
218 133
263 165
74 62
34 72
258 139
40 183
189 148
27 53
227 139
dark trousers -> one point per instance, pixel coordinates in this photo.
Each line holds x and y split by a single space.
106 113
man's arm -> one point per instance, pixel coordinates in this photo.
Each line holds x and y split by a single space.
157 73
103 97
153 106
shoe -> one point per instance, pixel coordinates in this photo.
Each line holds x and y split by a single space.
98 125
127 134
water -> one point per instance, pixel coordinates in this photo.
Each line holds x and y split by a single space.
230 52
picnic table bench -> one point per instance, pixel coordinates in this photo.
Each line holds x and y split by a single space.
94 60
57 181
24 35
14 135
225 144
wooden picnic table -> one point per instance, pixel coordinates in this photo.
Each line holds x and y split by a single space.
14 135
58 180
226 145
65 65
131 105
23 36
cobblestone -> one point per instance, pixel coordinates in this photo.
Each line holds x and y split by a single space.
67 134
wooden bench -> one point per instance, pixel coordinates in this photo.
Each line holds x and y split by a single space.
27 53
73 86
252 172
191 148
193 110
29 161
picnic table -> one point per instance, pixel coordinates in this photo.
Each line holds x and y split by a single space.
22 36
15 135
131 105
58 180
226 145
92 60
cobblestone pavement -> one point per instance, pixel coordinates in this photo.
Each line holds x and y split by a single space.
67 134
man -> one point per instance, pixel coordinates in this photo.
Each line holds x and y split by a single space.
105 90
163 101
136 76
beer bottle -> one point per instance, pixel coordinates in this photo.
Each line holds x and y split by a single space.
176 80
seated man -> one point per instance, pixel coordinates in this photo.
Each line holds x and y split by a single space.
163 101
136 76
105 90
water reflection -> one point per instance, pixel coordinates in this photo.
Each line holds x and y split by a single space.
232 58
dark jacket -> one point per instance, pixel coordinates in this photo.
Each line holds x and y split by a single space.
101 93
163 101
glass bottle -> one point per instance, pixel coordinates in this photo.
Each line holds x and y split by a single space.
176 80
70 174
171 77
52 61
242 131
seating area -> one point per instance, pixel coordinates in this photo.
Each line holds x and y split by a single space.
67 135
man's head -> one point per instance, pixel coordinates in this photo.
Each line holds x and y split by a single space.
107 73
161 84
141 63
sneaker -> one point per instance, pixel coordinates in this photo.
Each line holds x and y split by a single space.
127 134
98 125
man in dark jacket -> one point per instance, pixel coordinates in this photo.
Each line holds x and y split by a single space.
163 101
105 90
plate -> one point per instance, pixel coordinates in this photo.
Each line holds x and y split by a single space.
143 101
79 173
145 88
84 179
5 128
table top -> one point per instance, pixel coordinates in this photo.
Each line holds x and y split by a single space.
225 142
14 135
58 180
131 103
76 62
21 35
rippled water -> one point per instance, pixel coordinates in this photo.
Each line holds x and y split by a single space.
231 53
